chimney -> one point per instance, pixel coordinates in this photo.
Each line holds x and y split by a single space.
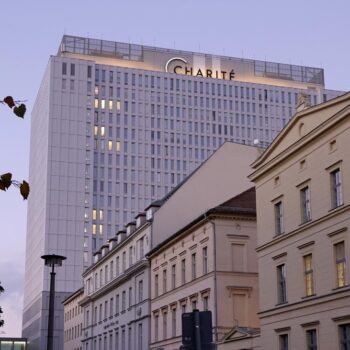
97 256
152 208
112 242
130 228
104 249
140 219
121 236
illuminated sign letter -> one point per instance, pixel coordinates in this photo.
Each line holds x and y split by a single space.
232 74
175 69
209 73
174 59
188 71
199 73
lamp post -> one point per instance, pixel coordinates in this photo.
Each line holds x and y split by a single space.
52 261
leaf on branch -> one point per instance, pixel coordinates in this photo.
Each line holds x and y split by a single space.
24 189
20 110
5 181
9 101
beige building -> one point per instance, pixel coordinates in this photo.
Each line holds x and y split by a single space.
303 206
209 264
73 321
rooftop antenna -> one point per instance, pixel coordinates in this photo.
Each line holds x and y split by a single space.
174 44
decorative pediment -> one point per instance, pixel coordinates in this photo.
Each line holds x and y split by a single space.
304 125
237 333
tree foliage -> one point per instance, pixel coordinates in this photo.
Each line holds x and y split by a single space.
19 109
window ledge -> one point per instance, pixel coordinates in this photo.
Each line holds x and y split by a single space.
282 304
340 288
335 208
309 296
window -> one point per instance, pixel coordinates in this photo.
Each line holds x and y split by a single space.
205 260
117 304
156 327
337 197
140 291
156 283
164 281
305 204
344 336
123 301
205 303
281 284
139 347
308 275
279 218
183 271
173 276
311 338
165 324
339 249
72 69
193 266
130 297
173 322
283 340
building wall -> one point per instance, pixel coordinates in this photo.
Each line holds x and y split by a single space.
73 322
116 300
309 162
214 182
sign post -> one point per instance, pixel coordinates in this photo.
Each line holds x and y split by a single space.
197 331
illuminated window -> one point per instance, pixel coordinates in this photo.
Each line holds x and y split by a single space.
339 249
308 275
118 105
94 214
96 102
101 214
96 92
117 146
110 145
110 104
96 130
102 131
101 229
103 104
93 229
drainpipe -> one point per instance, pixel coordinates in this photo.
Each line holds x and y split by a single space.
215 280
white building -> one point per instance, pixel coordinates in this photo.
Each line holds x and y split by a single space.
115 126
116 302
73 321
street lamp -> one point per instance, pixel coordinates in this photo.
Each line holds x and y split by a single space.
52 261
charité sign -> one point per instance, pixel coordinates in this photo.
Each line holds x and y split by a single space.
179 65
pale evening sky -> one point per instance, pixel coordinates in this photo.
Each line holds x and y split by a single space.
313 33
